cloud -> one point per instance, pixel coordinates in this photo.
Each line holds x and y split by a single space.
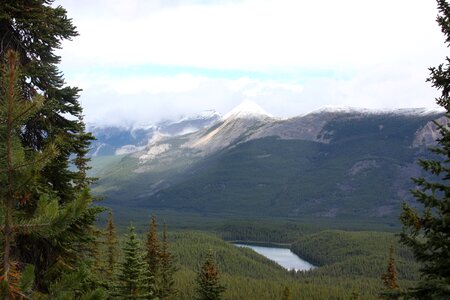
143 60
252 35
148 99
112 99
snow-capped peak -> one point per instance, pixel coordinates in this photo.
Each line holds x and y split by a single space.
247 109
367 111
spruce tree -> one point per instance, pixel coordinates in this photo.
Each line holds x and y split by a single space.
35 29
166 290
427 232
286 294
96 264
132 281
111 246
208 281
20 178
104 256
17 169
153 257
389 278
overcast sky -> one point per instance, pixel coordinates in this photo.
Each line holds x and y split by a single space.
143 60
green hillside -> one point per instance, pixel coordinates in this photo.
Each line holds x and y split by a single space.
361 253
248 275
363 171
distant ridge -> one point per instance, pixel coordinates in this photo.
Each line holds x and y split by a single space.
247 121
399 111
333 163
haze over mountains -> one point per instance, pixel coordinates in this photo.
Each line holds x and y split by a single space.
332 163
118 140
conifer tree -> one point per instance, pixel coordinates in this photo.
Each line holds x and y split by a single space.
390 278
427 232
73 285
153 257
20 213
286 294
132 281
15 169
166 290
208 281
111 246
104 256
35 29
97 277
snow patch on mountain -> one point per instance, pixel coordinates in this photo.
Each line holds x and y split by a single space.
247 109
205 115
421 111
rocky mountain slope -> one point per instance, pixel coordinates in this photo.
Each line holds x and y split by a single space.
331 163
119 140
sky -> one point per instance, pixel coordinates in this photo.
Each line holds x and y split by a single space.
140 61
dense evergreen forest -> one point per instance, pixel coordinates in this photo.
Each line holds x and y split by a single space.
350 263
54 247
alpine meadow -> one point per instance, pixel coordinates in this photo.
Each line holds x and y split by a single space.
224 150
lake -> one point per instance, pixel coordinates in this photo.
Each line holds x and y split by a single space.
282 256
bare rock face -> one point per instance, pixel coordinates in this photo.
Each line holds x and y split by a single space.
241 127
231 131
236 127
306 128
427 135
250 122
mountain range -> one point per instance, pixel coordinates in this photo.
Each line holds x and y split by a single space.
331 163
118 140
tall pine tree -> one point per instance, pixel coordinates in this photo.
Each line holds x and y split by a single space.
18 169
106 256
153 257
389 278
208 280
132 280
427 232
111 246
286 294
35 29
20 214
166 282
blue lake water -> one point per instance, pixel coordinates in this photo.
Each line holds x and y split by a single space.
282 256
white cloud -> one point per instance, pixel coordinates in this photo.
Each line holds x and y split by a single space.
253 35
133 84
115 100
364 53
